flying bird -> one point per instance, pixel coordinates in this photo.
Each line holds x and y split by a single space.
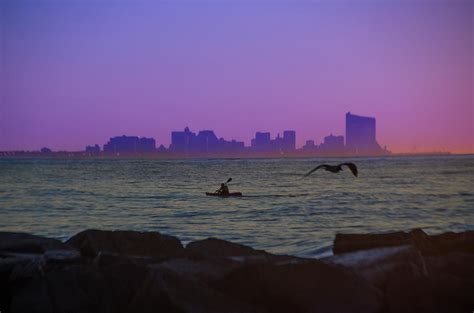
334 168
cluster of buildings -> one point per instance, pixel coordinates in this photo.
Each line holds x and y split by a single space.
204 142
360 139
131 144
264 144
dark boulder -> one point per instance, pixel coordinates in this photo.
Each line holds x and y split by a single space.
409 289
213 247
8 262
175 292
26 243
205 270
150 244
75 287
32 296
23 257
453 277
68 293
456 264
152 297
428 245
344 243
63 288
354 242
375 265
27 290
454 242
311 286
218 248
121 280
413 282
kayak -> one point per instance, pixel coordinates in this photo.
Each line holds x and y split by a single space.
232 194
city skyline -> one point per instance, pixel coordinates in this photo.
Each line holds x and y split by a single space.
332 142
78 72
360 132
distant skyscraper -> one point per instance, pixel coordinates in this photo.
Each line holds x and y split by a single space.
261 142
181 141
206 141
361 135
262 139
289 140
276 144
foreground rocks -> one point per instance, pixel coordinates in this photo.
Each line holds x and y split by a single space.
415 272
122 271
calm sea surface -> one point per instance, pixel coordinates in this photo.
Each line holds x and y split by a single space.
280 211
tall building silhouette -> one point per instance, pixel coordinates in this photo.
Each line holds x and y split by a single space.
262 142
361 135
289 141
181 141
206 141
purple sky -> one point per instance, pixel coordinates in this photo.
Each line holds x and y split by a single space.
75 73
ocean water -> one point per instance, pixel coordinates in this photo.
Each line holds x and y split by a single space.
281 211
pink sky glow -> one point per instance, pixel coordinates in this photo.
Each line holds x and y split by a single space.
74 73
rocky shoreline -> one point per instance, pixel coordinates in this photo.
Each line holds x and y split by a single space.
125 271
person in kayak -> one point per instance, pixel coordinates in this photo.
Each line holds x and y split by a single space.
224 190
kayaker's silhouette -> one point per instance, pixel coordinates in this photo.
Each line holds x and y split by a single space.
224 190
334 168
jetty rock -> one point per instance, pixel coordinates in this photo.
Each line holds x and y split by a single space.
415 272
148 244
26 243
127 271
428 245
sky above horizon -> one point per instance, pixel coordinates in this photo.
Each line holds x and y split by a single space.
75 73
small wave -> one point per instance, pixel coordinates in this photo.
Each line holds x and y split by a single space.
277 196
142 197
318 253
451 172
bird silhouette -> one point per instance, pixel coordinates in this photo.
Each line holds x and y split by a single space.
334 168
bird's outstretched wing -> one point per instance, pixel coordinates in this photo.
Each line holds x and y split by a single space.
315 169
352 167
